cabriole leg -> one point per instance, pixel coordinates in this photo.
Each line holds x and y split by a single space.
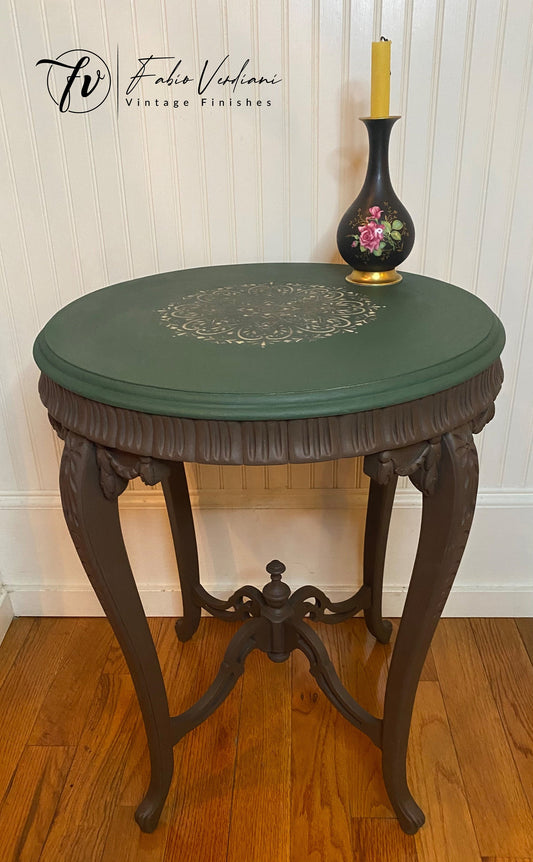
378 515
446 519
182 525
93 521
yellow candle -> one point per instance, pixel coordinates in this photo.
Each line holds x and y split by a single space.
380 91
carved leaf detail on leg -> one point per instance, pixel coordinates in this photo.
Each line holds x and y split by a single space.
74 454
483 419
420 462
117 468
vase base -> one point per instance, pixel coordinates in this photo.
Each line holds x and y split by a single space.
387 276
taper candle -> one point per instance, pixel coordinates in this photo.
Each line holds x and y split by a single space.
380 88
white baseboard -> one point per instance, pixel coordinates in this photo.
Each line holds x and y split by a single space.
6 613
320 542
60 601
304 498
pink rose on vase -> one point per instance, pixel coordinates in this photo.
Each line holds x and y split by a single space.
370 235
375 212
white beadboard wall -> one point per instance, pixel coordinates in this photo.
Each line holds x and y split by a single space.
91 199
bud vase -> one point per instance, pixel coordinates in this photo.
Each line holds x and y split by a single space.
376 233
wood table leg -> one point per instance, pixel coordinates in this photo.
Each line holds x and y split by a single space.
446 519
179 511
93 520
378 515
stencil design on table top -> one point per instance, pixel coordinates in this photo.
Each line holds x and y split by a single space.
268 313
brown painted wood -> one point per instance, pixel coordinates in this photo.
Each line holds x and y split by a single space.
64 710
490 776
80 827
525 627
505 859
446 519
379 840
401 440
320 766
263 767
29 807
378 515
179 511
275 441
13 643
510 674
90 486
25 688
436 776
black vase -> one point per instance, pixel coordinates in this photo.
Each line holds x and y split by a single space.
376 233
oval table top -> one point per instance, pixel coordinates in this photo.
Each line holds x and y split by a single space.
267 341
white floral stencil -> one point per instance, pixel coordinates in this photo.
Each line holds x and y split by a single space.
268 313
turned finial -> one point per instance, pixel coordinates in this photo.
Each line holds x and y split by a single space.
275 569
276 592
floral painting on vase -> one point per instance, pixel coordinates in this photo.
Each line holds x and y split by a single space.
380 233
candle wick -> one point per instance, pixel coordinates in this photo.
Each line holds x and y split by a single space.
384 39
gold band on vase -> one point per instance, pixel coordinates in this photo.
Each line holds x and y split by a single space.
387 276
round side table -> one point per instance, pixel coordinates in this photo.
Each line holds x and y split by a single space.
272 364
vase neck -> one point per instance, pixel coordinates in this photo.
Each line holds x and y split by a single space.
379 131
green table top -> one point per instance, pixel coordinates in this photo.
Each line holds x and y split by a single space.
267 341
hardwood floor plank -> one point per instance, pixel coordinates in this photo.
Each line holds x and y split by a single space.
429 671
125 841
64 710
231 799
115 661
25 688
525 627
260 817
124 838
136 772
362 664
510 674
13 643
336 770
380 840
30 804
79 830
200 811
436 782
195 820
320 772
500 812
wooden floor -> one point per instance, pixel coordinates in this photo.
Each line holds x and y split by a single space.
276 774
